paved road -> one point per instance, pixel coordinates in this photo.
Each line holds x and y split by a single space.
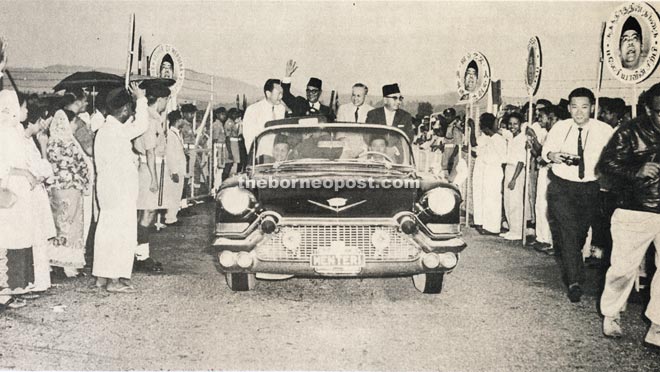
501 310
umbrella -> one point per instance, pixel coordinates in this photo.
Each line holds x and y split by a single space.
89 79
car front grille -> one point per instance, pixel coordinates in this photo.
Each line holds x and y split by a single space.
313 237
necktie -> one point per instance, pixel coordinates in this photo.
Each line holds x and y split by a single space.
581 155
274 113
356 114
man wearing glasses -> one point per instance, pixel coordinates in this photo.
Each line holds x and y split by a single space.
301 106
391 114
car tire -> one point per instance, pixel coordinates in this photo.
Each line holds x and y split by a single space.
240 282
430 283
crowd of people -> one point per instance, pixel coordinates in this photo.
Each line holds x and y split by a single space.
592 186
82 183
64 168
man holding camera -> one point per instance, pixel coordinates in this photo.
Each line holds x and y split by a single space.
573 147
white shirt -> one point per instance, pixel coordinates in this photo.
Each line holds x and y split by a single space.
515 150
389 116
541 132
563 138
116 163
96 121
346 112
256 116
491 150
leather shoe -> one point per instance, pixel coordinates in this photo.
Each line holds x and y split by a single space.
574 292
148 266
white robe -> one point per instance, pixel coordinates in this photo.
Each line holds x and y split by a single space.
487 182
175 164
42 218
514 199
117 193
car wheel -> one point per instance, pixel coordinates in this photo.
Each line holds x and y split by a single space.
240 282
429 283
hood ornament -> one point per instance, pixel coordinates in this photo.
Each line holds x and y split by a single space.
336 204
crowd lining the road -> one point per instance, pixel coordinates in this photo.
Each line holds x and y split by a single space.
64 169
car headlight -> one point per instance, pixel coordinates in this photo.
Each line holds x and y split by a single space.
235 200
441 201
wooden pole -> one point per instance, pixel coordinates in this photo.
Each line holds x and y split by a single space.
466 130
213 160
599 80
530 113
139 64
634 102
129 56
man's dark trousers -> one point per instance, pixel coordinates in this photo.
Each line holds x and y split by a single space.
572 207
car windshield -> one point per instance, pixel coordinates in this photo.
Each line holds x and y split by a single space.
336 143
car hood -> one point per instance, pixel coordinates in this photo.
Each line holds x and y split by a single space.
350 194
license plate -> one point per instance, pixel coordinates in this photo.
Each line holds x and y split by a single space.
337 259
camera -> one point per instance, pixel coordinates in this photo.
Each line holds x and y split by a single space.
572 160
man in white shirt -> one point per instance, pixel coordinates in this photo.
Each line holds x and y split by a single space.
117 190
257 114
573 146
355 111
487 178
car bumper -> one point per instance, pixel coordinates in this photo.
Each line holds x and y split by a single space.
256 252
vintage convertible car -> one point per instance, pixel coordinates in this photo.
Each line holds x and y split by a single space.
335 200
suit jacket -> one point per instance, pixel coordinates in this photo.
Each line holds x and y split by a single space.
402 120
300 106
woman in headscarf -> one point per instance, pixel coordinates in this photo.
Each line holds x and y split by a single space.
16 185
42 217
70 181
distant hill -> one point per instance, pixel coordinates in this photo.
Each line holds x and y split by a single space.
196 88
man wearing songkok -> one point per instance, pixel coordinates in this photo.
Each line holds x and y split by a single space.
301 106
633 158
356 110
150 146
391 113
258 113
630 44
117 188
574 146
175 159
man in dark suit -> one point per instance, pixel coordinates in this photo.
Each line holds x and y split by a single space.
301 106
391 114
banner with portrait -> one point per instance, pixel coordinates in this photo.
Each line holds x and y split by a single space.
534 64
166 62
631 42
472 77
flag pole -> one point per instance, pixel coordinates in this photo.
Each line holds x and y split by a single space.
466 130
530 113
129 57
599 81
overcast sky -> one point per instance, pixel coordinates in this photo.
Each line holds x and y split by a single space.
417 44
